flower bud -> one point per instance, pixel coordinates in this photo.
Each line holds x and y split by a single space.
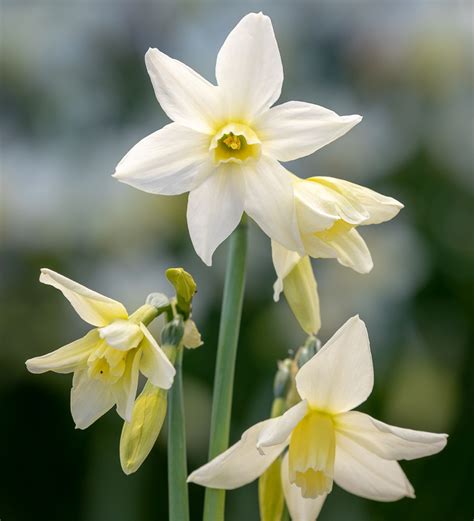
306 352
301 292
158 300
270 493
139 436
185 288
173 332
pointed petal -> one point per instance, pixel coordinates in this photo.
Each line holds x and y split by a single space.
238 465
94 308
379 208
387 441
348 247
365 474
340 376
65 359
90 399
183 94
171 161
215 209
269 201
284 261
249 69
300 508
155 365
296 129
125 390
121 334
279 429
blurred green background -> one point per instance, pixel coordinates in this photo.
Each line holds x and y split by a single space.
75 96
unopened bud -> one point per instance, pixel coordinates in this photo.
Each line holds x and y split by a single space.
159 300
306 352
173 332
185 288
282 381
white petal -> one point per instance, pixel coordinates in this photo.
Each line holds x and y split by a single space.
249 69
155 365
279 429
300 508
296 129
319 206
365 474
238 465
94 308
121 334
340 376
270 202
348 247
184 95
171 161
284 261
215 209
65 359
387 441
125 390
90 399
379 208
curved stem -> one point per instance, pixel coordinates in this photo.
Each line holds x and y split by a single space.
214 503
177 466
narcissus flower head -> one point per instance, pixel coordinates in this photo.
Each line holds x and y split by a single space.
107 361
225 142
327 442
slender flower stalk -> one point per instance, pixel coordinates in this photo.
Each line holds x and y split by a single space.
177 466
214 503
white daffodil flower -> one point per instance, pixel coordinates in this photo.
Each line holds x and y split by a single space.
326 440
225 142
328 212
107 361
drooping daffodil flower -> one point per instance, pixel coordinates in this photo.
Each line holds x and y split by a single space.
327 441
225 142
107 361
328 212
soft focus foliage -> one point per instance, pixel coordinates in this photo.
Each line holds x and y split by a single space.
75 96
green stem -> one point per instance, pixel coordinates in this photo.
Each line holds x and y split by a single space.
214 502
177 466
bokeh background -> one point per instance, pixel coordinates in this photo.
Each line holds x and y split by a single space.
75 96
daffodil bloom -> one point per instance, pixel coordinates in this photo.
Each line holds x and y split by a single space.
328 212
225 142
107 361
326 440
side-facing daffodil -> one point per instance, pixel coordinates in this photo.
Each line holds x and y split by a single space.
225 142
327 441
328 212
107 361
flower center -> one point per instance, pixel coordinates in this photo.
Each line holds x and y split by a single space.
311 454
234 143
107 364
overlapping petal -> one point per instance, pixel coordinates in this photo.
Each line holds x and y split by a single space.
365 474
269 201
125 390
347 246
240 464
183 94
296 129
65 359
300 508
387 441
279 429
171 161
284 261
340 375
215 209
154 364
249 69
94 308
121 334
90 399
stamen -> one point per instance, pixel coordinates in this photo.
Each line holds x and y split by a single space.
233 142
